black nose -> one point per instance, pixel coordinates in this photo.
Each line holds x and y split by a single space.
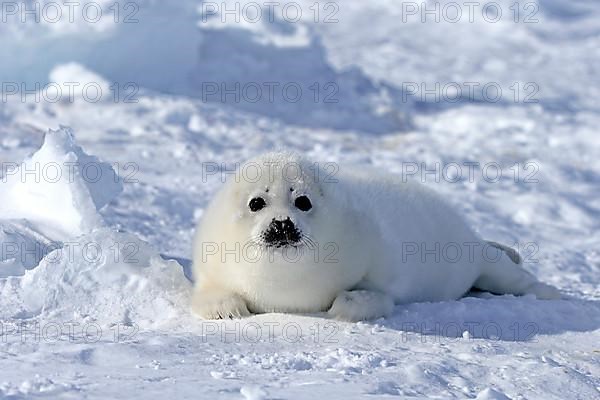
282 233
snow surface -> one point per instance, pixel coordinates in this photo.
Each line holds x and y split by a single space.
94 274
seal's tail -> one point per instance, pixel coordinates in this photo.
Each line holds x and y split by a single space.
509 251
506 275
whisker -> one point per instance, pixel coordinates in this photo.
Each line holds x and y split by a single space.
310 241
256 239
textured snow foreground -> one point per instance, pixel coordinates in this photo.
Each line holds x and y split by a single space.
94 278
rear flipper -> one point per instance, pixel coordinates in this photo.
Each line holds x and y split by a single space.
504 274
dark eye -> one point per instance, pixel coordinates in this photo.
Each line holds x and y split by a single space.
303 203
257 204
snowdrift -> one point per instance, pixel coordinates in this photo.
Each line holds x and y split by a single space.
59 260
60 188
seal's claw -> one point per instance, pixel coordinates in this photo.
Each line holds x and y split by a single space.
360 305
214 304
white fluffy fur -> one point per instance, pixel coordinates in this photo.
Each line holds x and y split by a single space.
356 266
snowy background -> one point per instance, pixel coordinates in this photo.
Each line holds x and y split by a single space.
94 264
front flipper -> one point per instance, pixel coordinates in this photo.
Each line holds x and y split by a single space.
360 305
219 304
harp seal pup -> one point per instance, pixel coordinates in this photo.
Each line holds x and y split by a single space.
289 235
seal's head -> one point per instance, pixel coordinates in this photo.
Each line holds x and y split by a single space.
280 199
279 234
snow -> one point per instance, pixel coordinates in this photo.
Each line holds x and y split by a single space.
76 83
94 275
79 281
490 394
59 179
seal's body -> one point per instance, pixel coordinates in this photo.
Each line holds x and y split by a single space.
293 236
